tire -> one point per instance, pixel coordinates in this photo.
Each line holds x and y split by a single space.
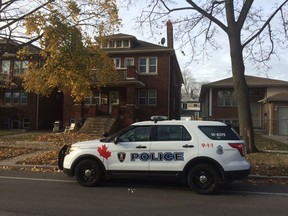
203 179
88 173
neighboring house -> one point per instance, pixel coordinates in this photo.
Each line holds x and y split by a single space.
19 109
150 84
268 102
191 108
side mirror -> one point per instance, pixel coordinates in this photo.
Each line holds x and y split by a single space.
116 140
105 134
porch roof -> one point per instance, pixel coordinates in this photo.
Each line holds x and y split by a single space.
281 97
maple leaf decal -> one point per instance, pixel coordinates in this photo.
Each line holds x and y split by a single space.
103 151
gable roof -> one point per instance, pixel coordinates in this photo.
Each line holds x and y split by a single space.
252 81
11 46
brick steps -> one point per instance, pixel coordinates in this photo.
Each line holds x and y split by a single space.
97 125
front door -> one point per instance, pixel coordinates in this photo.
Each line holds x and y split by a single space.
113 100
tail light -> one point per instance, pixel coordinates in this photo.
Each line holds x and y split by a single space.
240 147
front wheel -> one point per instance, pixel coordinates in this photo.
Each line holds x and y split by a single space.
88 173
203 179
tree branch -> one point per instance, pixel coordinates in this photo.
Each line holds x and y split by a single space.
265 24
209 16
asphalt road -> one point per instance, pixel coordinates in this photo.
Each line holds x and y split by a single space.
29 193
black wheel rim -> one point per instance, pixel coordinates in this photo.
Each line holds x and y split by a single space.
88 173
203 179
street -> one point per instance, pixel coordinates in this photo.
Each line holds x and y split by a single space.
32 193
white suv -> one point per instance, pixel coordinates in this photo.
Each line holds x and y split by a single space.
204 153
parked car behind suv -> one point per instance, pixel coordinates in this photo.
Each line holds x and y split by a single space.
203 153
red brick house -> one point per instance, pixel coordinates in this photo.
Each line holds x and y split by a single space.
268 102
150 84
19 109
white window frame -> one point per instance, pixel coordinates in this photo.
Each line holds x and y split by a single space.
145 95
6 68
148 65
128 62
23 66
117 62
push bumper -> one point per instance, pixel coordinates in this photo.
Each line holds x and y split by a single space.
61 156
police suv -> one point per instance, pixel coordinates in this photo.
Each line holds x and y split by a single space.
203 153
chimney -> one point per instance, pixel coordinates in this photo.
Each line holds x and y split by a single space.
170 35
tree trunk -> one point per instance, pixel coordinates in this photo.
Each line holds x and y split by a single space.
241 92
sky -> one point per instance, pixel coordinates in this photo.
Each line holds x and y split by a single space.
217 67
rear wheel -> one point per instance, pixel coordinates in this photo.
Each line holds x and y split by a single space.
203 179
88 173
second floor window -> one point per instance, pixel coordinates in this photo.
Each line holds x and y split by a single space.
20 67
225 98
117 62
6 67
148 65
128 62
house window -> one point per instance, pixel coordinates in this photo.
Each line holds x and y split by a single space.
15 97
111 44
118 43
26 123
6 123
152 97
126 43
148 65
6 67
93 99
147 97
20 67
117 62
23 97
225 98
128 62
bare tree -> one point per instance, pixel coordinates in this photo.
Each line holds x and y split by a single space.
190 88
252 34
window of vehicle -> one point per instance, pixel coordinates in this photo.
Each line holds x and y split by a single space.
219 132
147 65
225 98
172 133
136 134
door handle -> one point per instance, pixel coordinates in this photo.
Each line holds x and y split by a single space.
188 146
140 147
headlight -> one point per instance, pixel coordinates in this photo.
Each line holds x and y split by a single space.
73 148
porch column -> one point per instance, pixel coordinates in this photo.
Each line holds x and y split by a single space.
130 104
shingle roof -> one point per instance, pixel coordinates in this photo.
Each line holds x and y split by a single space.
252 81
138 45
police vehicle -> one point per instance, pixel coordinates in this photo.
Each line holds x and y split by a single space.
203 153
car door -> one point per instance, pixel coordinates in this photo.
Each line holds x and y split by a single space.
171 148
131 150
